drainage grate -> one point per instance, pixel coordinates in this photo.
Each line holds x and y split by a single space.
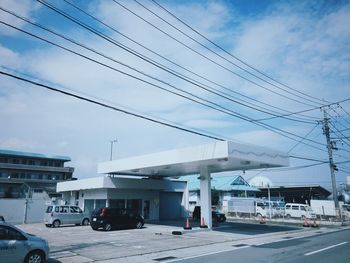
240 245
287 237
162 259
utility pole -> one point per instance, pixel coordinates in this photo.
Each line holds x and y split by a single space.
332 166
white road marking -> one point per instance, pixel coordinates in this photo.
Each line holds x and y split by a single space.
207 254
322 249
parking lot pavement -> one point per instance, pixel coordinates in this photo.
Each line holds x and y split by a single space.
82 244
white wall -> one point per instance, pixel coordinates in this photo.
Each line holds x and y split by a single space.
13 210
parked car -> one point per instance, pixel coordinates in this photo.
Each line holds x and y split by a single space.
298 211
110 218
216 216
18 246
57 215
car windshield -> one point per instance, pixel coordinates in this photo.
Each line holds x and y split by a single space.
49 209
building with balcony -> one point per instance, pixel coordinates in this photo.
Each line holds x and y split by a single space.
23 174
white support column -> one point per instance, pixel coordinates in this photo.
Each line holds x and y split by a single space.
205 195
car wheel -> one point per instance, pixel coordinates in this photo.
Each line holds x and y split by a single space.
107 227
56 223
47 225
94 228
35 257
139 225
85 222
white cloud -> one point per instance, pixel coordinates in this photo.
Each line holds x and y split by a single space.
292 45
22 8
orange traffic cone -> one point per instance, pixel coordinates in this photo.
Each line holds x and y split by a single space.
203 225
305 224
187 225
262 220
314 224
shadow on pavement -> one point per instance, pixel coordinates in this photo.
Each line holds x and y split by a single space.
232 227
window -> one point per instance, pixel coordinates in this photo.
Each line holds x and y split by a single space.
4 160
303 208
73 209
49 209
7 233
64 209
57 209
24 161
287 206
31 162
295 207
43 163
15 161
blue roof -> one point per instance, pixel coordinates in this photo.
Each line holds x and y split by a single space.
221 182
34 155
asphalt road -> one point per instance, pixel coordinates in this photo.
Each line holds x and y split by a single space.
329 247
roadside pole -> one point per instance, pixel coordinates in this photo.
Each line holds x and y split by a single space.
332 166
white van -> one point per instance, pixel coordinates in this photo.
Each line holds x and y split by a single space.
57 215
298 211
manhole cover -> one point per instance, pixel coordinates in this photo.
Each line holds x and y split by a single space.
164 258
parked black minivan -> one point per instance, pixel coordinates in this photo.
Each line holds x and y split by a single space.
110 218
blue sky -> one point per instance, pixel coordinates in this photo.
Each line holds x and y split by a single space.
304 45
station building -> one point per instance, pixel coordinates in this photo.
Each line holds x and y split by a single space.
155 199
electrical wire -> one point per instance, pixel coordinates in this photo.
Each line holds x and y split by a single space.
269 127
138 71
109 106
209 59
230 54
222 57
193 73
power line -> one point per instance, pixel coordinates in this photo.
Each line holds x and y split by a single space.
138 71
269 127
293 168
110 107
306 158
192 72
240 116
146 59
211 60
222 57
230 54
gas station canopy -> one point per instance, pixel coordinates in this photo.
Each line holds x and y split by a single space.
217 157
204 160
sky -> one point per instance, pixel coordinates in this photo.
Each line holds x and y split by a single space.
265 59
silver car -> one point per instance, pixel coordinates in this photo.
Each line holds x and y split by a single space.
57 215
18 246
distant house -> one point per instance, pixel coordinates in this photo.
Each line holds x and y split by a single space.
223 189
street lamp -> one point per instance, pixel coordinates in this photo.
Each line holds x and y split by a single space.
112 142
